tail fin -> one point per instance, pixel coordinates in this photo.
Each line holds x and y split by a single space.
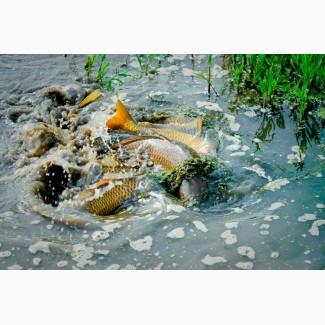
90 98
121 119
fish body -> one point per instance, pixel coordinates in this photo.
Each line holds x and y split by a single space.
170 155
107 195
123 120
161 151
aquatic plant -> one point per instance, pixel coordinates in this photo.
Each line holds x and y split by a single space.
298 78
104 76
145 63
172 179
89 66
275 80
207 74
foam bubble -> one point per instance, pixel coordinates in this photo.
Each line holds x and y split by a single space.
176 233
199 225
211 260
246 251
142 244
245 265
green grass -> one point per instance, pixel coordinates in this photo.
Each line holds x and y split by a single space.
298 78
207 74
146 63
272 80
89 66
98 69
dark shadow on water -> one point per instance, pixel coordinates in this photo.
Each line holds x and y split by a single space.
307 131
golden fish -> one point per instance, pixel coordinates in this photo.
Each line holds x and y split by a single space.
123 120
90 98
184 125
161 151
112 194
170 155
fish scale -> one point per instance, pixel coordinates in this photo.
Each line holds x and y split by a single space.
162 152
109 199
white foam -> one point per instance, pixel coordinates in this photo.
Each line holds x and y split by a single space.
271 218
245 265
167 70
62 263
211 260
36 261
276 205
231 225
229 237
188 72
82 255
142 244
100 235
159 266
276 184
110 227
40 246
258 170
233 147
237 210
209 106
199 225
314 231
5 254
246 251
176 233
238 154
275 254
172 217
307 217
113 267
176 208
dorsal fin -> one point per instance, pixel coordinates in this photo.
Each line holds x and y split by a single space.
184 125
135 139
121 119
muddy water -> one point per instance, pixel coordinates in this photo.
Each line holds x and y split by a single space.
274 227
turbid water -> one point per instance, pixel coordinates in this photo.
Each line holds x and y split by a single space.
274 221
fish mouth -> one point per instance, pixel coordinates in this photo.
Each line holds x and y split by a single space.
52 181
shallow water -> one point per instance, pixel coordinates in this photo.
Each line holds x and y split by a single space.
280 228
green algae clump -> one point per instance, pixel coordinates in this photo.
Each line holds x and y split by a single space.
173 178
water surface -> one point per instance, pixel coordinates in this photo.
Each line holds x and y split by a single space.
279 228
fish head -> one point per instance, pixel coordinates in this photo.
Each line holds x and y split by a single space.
193 189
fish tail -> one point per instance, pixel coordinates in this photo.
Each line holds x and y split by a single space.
122 119
90 98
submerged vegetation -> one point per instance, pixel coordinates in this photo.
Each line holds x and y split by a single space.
173 178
